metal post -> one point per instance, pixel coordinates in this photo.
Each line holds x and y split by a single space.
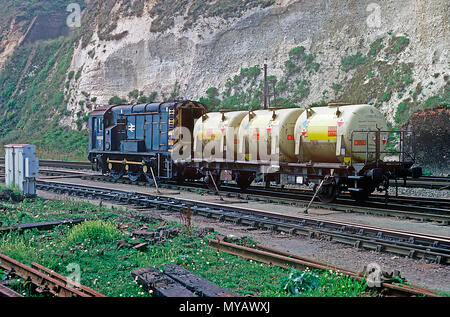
377 146
214 182
318 188
265 86
154 179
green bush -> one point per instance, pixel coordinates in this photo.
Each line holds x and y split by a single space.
299 282
95 231
115 101
353 61
376 46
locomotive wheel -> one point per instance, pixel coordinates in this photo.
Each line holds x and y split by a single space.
117 174
134 176
327 193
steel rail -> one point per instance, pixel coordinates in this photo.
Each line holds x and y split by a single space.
41 280
286 260
432 247
431 182
401 207
66 281
7 292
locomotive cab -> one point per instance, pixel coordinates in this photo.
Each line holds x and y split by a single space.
139 140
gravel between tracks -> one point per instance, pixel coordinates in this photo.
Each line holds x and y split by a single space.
418 272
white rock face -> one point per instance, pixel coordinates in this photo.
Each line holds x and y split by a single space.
215 49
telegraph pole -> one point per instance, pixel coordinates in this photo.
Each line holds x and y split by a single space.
265 84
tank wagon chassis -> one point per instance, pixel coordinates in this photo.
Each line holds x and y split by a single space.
328 179
139 141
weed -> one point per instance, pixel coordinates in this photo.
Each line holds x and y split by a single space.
96 231
353 61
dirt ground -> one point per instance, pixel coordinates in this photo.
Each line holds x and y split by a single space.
418 272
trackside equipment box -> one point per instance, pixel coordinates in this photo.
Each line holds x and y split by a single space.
21 167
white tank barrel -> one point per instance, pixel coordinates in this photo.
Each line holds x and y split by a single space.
329 134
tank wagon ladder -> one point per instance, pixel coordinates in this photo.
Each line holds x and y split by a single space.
399 168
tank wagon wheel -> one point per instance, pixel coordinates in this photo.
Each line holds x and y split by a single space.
327 193
244 180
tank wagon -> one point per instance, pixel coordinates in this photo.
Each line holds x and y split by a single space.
333 148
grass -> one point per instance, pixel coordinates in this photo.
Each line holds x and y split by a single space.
96 231
105 266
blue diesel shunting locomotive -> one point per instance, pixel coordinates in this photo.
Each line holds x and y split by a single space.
137 140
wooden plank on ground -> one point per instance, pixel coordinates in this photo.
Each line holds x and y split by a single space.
161 284
42 225
196 283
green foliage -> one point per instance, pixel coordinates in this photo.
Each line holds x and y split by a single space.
39 102
297 53
299 281
70 75
376 47
402 113
438 101
398 44
134 94
115 100
151 98
92 232
78 74
385 97
301 90
211 101
353 61
337 87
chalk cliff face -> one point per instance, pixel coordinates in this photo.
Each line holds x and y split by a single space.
213 49
393 54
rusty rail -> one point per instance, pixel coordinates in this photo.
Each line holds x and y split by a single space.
43 281
287 260
6 292
68 282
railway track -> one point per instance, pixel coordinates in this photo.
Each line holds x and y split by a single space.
45 280
287 260
430 182
418 208
415 245
58 164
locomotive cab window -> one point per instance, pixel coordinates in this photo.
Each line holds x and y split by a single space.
99 124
